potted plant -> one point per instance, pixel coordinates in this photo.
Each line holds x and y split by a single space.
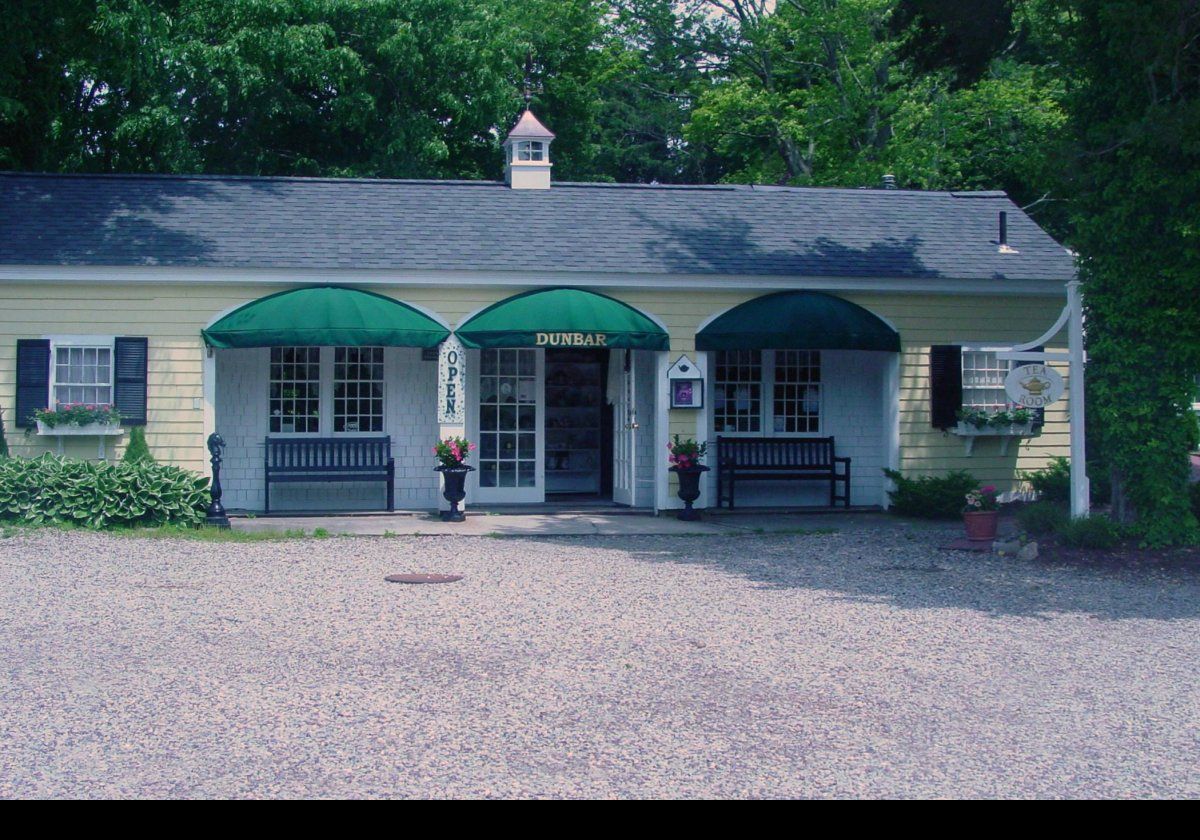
1000 421
1022 421
685 462
981 514
452 452
78 419
972 418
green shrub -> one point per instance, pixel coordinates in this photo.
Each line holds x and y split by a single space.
138 450
1194 496
931 497
1052 484
53 490
1094 532
1042 517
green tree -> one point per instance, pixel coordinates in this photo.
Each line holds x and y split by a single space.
1135 118
137 450
653 67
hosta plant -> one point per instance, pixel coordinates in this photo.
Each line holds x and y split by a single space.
51 489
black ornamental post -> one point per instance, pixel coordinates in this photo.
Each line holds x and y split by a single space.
216 511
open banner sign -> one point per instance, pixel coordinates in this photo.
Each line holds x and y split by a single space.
452 373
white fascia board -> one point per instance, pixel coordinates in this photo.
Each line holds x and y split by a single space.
523 279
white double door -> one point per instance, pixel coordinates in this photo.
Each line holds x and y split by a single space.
507 423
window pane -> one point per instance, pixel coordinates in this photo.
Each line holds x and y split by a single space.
737 391
358 389
294 390
983 380
797 392
83 375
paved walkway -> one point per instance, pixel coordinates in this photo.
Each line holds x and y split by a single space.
570 524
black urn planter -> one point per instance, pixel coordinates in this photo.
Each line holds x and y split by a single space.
454 491
689 489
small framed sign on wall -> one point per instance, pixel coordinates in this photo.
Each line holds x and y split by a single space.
687 386
687 393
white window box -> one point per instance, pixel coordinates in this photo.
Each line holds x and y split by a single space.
1004 434
71 430
103 431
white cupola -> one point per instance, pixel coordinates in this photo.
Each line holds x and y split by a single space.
527 154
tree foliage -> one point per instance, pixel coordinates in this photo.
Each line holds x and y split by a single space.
1136 122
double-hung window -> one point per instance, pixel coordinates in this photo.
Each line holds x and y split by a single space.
766 392
983 380
82 372
295 390
315 390
358 389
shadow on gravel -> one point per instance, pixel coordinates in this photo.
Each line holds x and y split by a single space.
906 570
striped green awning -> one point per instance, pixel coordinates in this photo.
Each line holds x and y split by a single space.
325 315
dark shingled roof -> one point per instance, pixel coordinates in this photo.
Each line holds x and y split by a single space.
243 222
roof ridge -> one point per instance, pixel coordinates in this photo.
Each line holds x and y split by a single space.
478 182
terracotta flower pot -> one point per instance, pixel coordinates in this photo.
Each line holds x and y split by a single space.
981 525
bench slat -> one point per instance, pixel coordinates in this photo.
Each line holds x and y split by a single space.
780 458
330 459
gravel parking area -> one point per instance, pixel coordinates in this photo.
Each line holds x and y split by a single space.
861 663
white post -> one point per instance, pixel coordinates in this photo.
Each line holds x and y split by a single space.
1080 492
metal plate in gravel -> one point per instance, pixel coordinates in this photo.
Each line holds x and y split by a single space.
422 577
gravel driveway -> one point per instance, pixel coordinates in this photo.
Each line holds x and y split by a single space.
862 663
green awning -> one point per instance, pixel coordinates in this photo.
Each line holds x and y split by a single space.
562 318
798 321
325 315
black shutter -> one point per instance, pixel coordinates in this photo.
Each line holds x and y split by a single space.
33 378
130 383
945 384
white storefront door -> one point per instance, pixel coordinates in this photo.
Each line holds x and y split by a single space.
625 426
508 414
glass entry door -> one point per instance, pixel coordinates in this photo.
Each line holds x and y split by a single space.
510 421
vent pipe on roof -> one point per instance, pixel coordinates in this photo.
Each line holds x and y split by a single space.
889 182
1005 248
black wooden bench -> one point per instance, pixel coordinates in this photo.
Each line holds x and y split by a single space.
330 460
769 459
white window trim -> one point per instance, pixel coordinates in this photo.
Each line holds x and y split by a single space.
98 341
766 419
965 347
325 398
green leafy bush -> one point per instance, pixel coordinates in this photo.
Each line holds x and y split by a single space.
1042 517
138 451
1053 483
53 490
1094 532
931 497
1194 496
